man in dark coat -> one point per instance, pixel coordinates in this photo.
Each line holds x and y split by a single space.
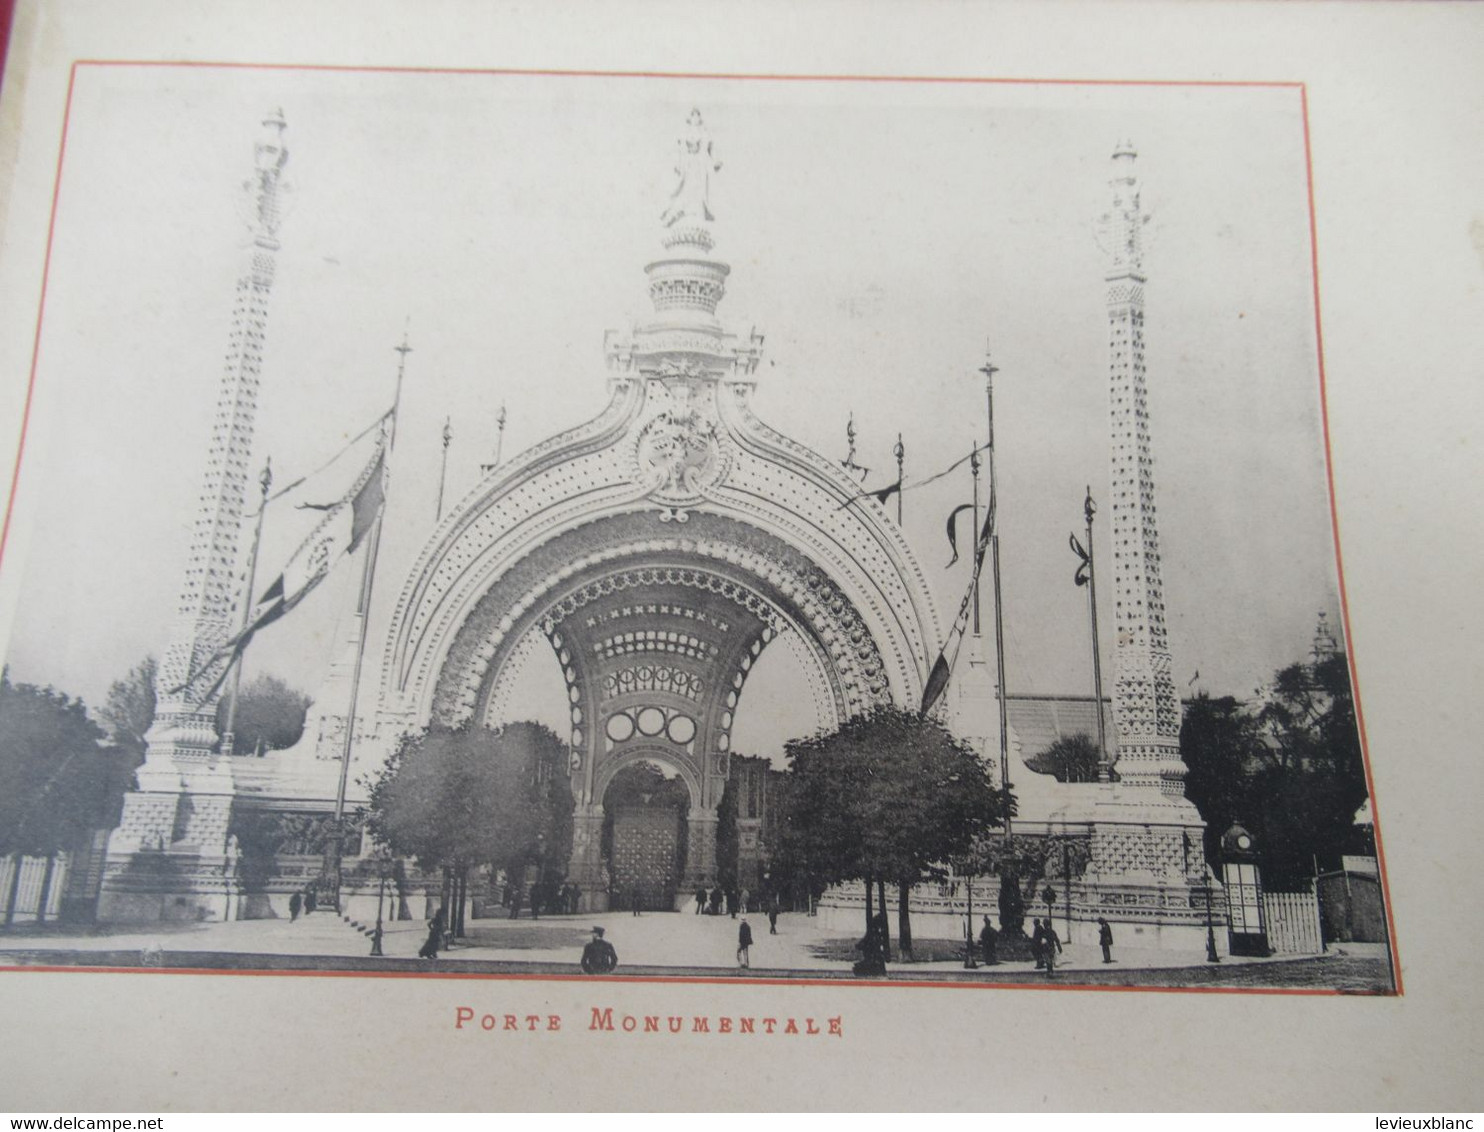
310 901
1038 945
744 941
598 956
295 903
435 935
1105 939
700 900
988 943
1053 949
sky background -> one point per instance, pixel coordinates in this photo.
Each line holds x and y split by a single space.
880 235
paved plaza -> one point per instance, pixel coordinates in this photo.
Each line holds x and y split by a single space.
655 944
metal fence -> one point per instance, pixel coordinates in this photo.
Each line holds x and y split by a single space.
32 879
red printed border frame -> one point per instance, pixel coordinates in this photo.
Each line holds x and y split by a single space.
1299 87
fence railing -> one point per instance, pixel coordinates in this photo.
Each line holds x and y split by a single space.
1293 922
28 892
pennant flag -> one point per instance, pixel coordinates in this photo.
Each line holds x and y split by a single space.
1084 567
337 535
953 530
886 493
943 666
937 682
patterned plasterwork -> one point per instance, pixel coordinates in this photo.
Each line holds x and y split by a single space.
676 469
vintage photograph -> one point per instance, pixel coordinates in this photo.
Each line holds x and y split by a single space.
774 529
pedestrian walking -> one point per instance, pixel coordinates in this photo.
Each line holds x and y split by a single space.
716 901
1105 939
773 918
517 898
743 903
296 902
1053 949
1038 945
310 901
434 941
598 956
744 942
700 900
988 943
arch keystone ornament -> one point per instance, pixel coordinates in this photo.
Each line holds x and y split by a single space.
659 549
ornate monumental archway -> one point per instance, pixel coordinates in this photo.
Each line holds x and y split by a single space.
660 548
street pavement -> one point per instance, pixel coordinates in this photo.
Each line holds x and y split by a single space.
654 944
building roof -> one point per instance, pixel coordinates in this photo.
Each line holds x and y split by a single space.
1037 721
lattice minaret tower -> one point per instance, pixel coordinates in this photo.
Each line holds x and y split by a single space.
1145 709
185 722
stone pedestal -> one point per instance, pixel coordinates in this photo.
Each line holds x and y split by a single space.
700 853
586 866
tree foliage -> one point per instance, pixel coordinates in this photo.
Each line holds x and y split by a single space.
728 843
129 710
1071 758
886 796
270 715
475 796
1291 770
58 781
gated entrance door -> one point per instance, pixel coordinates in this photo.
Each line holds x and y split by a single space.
645 838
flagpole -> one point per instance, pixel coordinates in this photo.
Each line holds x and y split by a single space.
989 369
265 481
363 611
974 471
900 453
1104 768
443 470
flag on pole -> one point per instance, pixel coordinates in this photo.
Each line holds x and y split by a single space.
1084 567
346 523
943 667
953 530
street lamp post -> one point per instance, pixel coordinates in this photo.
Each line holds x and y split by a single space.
1211 956
382 861
969 964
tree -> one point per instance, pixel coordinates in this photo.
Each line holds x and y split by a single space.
1071 758
270 716
58 782
453 799
1291 771
1221 744
886 797
728 844
129 711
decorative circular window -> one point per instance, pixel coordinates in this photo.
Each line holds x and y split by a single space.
651 721
620 728
682 729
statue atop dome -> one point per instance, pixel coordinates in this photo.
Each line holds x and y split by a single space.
694 165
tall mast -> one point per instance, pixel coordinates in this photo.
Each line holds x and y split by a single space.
363 614
1089 509
443 468
989 369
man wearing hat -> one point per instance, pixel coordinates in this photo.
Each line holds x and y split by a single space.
598 956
